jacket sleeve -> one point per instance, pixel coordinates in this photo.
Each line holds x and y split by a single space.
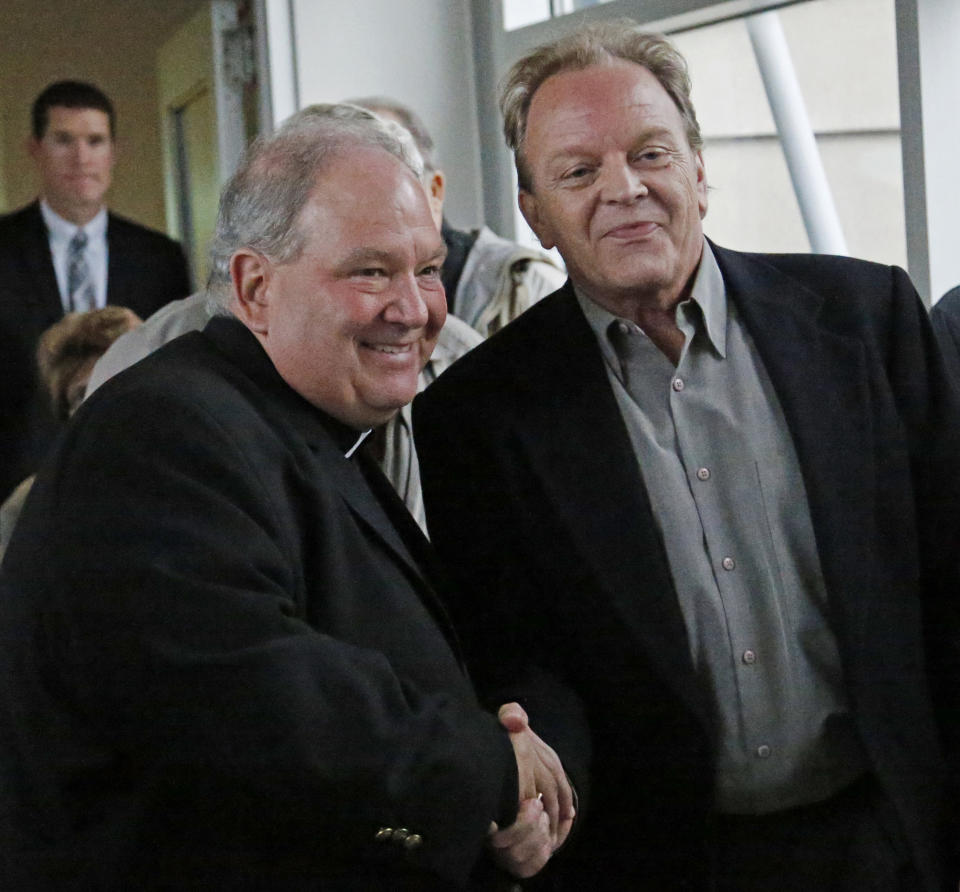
928 401
172 625
475 491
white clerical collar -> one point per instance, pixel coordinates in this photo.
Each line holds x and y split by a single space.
356 445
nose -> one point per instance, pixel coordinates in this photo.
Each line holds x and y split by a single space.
621 183
407 306
81 151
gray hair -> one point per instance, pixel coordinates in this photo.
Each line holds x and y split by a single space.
591 45
261 203
410 120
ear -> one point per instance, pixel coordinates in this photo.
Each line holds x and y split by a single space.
33 147
530 208
250 275
701 185
437 187
436 192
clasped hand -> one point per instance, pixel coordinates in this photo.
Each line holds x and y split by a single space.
546 811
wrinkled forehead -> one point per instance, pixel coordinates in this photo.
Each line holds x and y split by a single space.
369 194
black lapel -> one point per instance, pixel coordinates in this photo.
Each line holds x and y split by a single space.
121 266
822 382
367 493
375 503
36 254
591 473
430 574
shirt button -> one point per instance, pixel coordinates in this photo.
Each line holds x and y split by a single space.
413 842
677 384
703 473
763 751
749 657
728 563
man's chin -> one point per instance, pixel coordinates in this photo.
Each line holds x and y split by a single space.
369 416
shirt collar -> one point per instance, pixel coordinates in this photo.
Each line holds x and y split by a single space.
64 229
708 293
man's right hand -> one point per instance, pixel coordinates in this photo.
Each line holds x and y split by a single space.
541 776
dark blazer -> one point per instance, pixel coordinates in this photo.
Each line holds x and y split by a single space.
224 662
535 502
145 271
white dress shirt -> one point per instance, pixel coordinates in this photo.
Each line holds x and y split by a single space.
61 233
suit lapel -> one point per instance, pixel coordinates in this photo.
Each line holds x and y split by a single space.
375 503
359 495
592 477
36 255
365 491
121 268
822 382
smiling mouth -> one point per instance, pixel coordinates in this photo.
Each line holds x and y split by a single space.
639 229
389 349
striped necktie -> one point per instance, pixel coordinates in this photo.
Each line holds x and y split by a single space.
79 280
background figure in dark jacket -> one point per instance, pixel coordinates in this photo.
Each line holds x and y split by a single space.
65 252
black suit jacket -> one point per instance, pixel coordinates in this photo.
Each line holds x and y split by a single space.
945 319
535 502
145 271
223 664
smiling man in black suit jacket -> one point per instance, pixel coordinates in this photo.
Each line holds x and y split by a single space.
126 264
716 493
225 660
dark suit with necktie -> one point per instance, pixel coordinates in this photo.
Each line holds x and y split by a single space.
145 270
225 663
535 500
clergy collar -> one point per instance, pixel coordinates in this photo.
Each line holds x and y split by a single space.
234 339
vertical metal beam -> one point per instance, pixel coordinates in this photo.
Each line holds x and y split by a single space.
809 179
278 52
228 96
928 33
499 195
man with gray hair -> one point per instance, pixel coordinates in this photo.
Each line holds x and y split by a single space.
392 442
716 493
226 661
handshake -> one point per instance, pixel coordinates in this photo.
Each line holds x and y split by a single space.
546 810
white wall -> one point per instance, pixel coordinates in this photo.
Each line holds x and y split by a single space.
417 51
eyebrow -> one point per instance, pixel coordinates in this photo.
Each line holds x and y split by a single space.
365 255
362 255
643 136
69 134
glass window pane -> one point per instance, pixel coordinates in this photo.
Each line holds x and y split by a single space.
844 54
519 13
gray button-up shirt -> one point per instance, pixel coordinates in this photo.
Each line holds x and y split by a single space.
718 461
